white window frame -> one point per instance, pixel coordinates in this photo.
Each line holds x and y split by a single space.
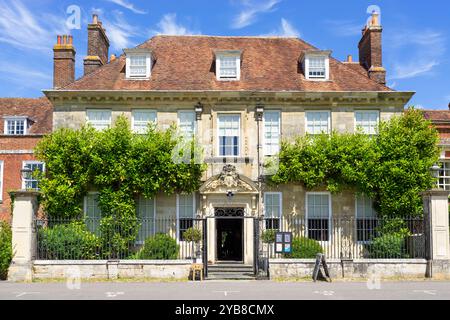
280 197
194 210
2 164
218 136
18 118
219 57
356 218
317 111
148 66
194 120
24 163
445 169
327 67
278 112
330 220
149 111
154 217
365 111
94 123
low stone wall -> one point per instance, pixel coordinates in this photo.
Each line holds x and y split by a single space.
103 269
364 268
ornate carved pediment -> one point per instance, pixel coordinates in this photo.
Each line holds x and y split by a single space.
229 180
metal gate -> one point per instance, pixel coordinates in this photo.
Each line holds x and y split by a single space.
261 253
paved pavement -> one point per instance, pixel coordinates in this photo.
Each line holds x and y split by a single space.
226 290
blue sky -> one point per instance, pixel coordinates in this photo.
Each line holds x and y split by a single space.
416 34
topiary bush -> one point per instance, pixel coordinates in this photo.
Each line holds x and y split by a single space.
68 242
388 246
268 235
304 248
159 247
193 235
6 252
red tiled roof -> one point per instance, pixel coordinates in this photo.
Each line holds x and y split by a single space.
39 111
437 115
187 63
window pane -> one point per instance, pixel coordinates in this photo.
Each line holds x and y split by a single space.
317 122
228 67
15 126
92 213
271 133
31 181
229 135
317 68
146 213
186 212
367 121
187 123
318 211
99 119
141 120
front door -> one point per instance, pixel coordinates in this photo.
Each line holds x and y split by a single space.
229 228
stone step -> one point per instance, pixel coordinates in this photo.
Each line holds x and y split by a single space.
230 276
230 270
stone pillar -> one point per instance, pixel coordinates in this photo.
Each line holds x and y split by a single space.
437 222
23 235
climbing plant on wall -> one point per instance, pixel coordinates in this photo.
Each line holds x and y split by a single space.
392 167
120 165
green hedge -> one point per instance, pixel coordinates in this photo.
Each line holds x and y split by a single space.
6 252
388 246
68 242
159 247
304 248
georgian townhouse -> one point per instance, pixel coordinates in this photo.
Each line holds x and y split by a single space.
239 96
23 123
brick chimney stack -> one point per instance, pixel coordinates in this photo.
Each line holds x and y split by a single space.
98 46
370 50
63 61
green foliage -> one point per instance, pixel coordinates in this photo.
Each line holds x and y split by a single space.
6 252
159 247
70 241
193 235
388 246
304 248
392 168
268 236
118 164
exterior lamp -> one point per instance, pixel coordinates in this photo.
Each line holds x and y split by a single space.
198 110
259 112
435 172
26 174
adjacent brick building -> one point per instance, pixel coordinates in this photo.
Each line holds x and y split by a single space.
23 123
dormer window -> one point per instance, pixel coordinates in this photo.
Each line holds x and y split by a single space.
16 126
138 63
316 65
228 65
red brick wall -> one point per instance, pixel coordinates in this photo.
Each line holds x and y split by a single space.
12 164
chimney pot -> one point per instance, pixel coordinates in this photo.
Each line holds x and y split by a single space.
58 40
113 57
94 19
375 19
70 39
349 58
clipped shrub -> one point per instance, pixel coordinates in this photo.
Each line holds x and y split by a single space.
6 252
68 242
388 246
193 235
268 235
159 247
304 248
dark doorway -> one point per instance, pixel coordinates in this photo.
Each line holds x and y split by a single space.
229 234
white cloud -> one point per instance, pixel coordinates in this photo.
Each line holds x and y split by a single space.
168 26
250 11
285 30
344 28
23 29
120 31
128 5
16 74
419 52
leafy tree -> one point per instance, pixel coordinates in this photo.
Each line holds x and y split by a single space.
392 167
